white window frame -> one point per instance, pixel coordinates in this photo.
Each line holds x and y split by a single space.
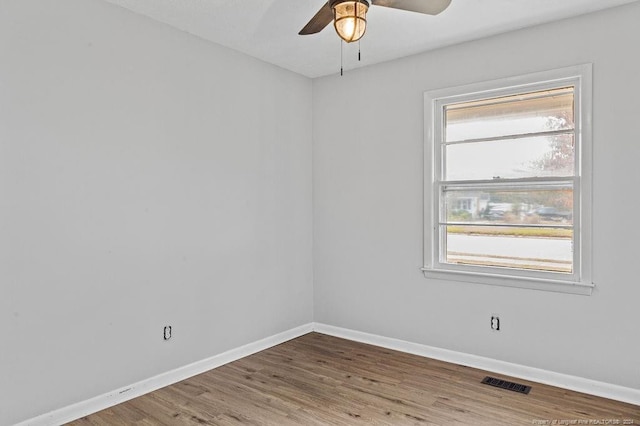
579 282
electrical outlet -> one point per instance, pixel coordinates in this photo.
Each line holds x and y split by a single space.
167 332
495 322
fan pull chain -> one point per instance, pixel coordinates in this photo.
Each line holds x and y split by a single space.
358 50
341 49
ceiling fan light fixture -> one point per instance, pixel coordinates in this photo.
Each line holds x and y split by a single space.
350 19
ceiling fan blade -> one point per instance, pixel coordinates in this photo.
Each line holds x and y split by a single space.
429 7
319 21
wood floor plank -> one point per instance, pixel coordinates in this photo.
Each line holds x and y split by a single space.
322 380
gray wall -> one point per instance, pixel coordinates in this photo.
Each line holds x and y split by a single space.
367 159
146 178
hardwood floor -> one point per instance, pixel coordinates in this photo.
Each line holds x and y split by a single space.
322 380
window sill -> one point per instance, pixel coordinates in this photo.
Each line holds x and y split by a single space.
511 281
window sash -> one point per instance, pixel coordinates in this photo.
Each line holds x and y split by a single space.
440 241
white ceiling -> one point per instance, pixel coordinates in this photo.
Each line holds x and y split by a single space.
268 29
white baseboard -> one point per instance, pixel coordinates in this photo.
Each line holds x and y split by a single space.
109 399
574 383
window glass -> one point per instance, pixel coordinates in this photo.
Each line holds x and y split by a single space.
504 207
510 158
542 249
526 113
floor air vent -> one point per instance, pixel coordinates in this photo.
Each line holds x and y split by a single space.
516 387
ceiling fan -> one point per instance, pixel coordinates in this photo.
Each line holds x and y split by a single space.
350 16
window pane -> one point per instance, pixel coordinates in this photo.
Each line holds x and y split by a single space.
542 249
501 207
512 158
535 112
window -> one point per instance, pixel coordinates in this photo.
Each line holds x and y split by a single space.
507 182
